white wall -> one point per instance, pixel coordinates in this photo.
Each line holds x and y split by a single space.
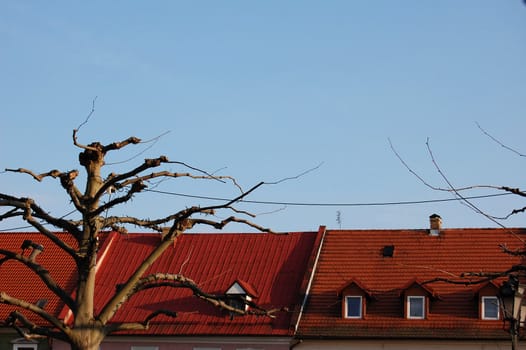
403 345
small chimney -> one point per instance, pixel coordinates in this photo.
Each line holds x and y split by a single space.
435 225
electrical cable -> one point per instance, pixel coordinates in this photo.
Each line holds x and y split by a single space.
306 204
303 204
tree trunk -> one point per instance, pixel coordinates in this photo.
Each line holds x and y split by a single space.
88 338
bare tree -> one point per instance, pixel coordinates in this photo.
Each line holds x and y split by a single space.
88 329
512 288
461 193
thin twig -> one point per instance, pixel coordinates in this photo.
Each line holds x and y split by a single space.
499 142
89 114
296 176
213 177
152 140
455 191
272 211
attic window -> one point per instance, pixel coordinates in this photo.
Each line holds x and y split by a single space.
239 295
416 306
237 301
490 308
354 299
417 297
353 306
488 301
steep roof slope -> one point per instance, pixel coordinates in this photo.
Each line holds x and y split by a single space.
19 281
274 266
358 255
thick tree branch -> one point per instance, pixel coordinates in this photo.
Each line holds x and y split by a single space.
113 179
181 222
120 297
30 210
29 330
135 188
53 173
184 215
156 224
517 252
122 180
57 241
41 272
87 148
66 180
118 145
221 224
7 299
474 278
179 281
236 199
115 221
516 191
136 326
10 213
169 174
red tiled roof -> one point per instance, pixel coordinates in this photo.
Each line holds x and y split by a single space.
349 255
274 265
19 281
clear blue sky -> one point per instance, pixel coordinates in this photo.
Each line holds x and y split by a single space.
265 90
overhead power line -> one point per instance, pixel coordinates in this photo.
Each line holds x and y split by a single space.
304 204
314 204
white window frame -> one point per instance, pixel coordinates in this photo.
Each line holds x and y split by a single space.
483 305
18 346
408 302
21 343
347 297
144 347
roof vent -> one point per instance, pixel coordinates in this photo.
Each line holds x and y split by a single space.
388 251
41 303
435 225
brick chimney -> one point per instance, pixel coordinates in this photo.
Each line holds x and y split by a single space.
435 225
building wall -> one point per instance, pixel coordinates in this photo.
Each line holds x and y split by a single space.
403 345
9 338
189 343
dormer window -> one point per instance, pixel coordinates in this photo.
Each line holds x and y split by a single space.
489 304
417 297
490 308
353 306
239 295
354 300
416 307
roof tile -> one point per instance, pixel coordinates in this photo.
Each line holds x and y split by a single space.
349 255
274 265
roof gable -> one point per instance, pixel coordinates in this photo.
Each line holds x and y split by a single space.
354 283
415 283
241 287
